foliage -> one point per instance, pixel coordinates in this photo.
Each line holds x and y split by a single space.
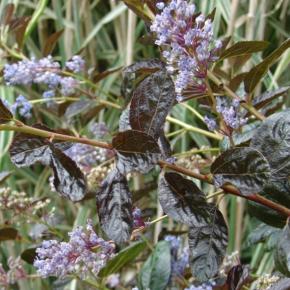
196 126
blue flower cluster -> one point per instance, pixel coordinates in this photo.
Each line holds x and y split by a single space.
85 253
21 105
179 258
187 42
205 286
44 71
230 113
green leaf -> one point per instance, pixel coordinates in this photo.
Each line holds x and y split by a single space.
7 234
156 271
122 259
282 252
246 168
256 73
244 47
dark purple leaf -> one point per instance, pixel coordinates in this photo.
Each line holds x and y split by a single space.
115 207
124 122
5 114
151 102
29 255
244 47
182 200
265 98
257 72
282 284
100 76
136 151
51 41
164 145
7 234
208 244
27 149
272 139
245 167
7 15
68 179
238 277
135 73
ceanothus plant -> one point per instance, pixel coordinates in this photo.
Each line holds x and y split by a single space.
254 164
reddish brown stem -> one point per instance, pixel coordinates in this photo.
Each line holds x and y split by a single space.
163 164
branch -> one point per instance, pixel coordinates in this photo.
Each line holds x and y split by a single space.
163 164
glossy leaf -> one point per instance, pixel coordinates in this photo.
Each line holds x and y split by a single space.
27 149
51 42
182 200
244 47
124 122
151 102
257 72
267 97
68 179
245 167
136 151
272 139
7 234
5 114
135 73
114 202
29 255
155 272
262 233
282 284
282 252
208 244
237 277
123 258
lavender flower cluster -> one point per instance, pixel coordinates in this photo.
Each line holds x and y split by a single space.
179 257
21 105
85 253
187 42
205 286
230 113
46 72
